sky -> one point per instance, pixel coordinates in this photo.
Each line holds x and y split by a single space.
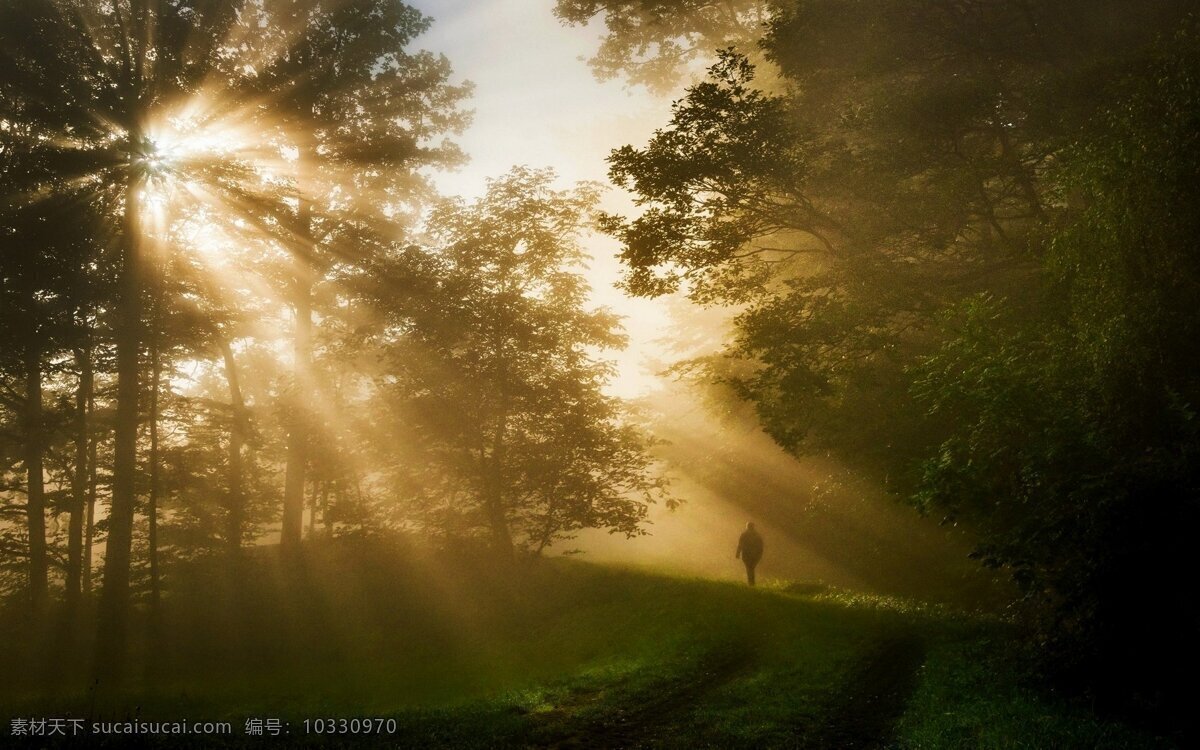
536 103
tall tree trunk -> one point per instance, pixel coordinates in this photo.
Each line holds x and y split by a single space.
155 474
312 508
236 500
113 614
35 507
501 536
79 480
93 481
299 438
326 518
494 479
495 475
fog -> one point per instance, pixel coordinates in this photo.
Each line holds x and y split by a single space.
363 357
822 523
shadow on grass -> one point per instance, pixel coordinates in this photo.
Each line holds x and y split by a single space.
464 653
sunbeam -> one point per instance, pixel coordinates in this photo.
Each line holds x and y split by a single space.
774 373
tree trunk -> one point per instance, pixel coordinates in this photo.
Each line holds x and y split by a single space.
112 617
494 478
299 439
495 475
35 507
326 518
236 501
298 429
501 536
79 480
312 508
155 473
89 531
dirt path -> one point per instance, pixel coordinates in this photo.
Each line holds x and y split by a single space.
863 714
647 722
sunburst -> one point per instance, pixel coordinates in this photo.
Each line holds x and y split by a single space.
160 113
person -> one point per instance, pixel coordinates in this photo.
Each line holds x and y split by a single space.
750 550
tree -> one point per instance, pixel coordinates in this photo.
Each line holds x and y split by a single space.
900 174
46 268
497 380
738 207
362 114
84 84
653 42
939 180
1074 440
138 103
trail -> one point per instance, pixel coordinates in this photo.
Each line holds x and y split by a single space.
863 713
860 714
645 720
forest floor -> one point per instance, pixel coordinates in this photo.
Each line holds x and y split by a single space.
452 653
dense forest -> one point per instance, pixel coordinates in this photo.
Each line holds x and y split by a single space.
955 240
962 239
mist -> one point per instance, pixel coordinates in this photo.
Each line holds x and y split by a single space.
598 374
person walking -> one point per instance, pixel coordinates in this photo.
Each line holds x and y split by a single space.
750 550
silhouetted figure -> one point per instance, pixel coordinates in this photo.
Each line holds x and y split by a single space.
750 550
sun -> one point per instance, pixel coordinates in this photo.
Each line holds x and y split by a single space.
193 136
180 150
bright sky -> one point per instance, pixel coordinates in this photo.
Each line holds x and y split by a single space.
536 103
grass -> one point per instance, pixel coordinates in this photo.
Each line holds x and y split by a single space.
462 654
973 695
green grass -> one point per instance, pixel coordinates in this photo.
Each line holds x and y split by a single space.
462 654
972 694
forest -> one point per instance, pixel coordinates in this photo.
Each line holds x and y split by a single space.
319 429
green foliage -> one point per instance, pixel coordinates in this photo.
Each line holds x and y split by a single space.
1074 443
1016 439
966 257
727 171
975 692
748 199
901 173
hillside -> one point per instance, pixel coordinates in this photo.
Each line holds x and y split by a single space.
561 654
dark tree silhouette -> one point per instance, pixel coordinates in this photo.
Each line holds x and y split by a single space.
907 220
88 91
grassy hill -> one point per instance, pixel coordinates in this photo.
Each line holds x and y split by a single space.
459 653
